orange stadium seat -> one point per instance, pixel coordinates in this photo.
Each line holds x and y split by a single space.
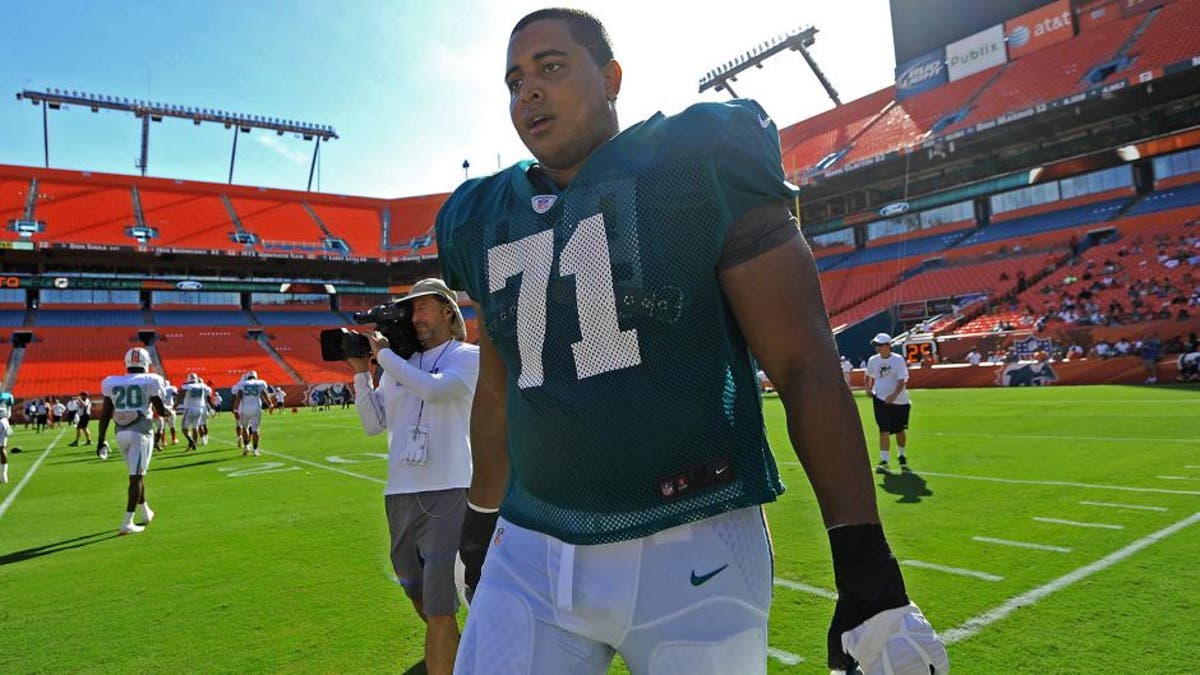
301 348
84 213
412 219
1171 37
217 354
13 193
806 144
188 220
280 223
57 362
361 227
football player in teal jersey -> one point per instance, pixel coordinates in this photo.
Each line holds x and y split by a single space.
630 283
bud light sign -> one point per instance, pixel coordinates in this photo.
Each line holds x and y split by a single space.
921 74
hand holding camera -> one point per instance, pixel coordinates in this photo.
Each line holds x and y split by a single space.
393 322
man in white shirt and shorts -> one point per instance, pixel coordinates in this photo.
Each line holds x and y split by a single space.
887 381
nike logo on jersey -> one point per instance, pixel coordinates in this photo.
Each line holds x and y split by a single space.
700 580
764 122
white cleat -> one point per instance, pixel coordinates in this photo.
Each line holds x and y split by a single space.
204 440
4 474
131 528
256 452
147 514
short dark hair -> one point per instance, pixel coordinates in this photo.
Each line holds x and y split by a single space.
585 29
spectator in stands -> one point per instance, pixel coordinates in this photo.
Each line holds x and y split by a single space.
1103 350
1075 351
1150 349
84 415
974 357
424 403
1193 342
1123 347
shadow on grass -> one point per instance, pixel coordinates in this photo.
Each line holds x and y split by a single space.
417 668
908 484
56 547
172 467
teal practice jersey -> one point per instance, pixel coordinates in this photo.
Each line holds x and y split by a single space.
633 403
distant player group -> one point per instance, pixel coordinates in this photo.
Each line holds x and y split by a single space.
142 406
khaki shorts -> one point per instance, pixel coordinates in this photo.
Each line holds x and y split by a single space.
425 529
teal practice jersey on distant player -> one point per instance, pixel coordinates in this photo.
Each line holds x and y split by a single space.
633 403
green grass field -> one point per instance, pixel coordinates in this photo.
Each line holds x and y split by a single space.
279 564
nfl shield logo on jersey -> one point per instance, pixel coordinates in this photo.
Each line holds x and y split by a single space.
543 203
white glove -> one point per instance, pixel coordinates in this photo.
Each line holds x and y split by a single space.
898 641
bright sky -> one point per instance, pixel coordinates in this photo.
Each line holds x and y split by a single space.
413 88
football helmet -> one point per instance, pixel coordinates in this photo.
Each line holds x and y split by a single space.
250 375
138 358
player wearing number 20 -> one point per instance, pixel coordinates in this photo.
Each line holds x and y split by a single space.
130 401
628 282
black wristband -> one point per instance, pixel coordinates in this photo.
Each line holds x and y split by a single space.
867 575
868 581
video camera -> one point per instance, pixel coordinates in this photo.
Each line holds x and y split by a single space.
392 319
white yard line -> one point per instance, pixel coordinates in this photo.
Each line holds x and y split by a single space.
1177 478
1075 523
952 570
805 588
12 496
1133 507
1054 483
316 464
1060 483
1036 437
1022 544
977 623
786 658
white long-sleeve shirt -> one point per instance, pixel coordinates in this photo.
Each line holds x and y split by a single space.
432 389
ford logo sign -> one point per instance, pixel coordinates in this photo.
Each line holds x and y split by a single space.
61 282
894 209
189 286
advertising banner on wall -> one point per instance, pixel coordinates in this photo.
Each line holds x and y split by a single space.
976 53
921 74
1097 15
1042 27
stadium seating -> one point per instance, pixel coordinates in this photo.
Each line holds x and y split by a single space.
59 362
1171 37
1172 198
805 145
217 354
298 318
208 317
360 227
12 317
412 220
279 224
301 348
85 213
83 318
905 248
189 220
1018 227
13 193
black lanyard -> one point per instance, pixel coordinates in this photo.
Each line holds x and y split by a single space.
421 365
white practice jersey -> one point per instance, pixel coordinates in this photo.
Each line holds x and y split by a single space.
251 391
168 397
887 374
130 394
195 396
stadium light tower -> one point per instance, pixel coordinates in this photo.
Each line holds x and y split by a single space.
150 111
796 40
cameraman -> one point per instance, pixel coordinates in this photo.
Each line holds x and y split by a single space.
424 403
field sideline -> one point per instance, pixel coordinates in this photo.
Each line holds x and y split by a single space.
1042 531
